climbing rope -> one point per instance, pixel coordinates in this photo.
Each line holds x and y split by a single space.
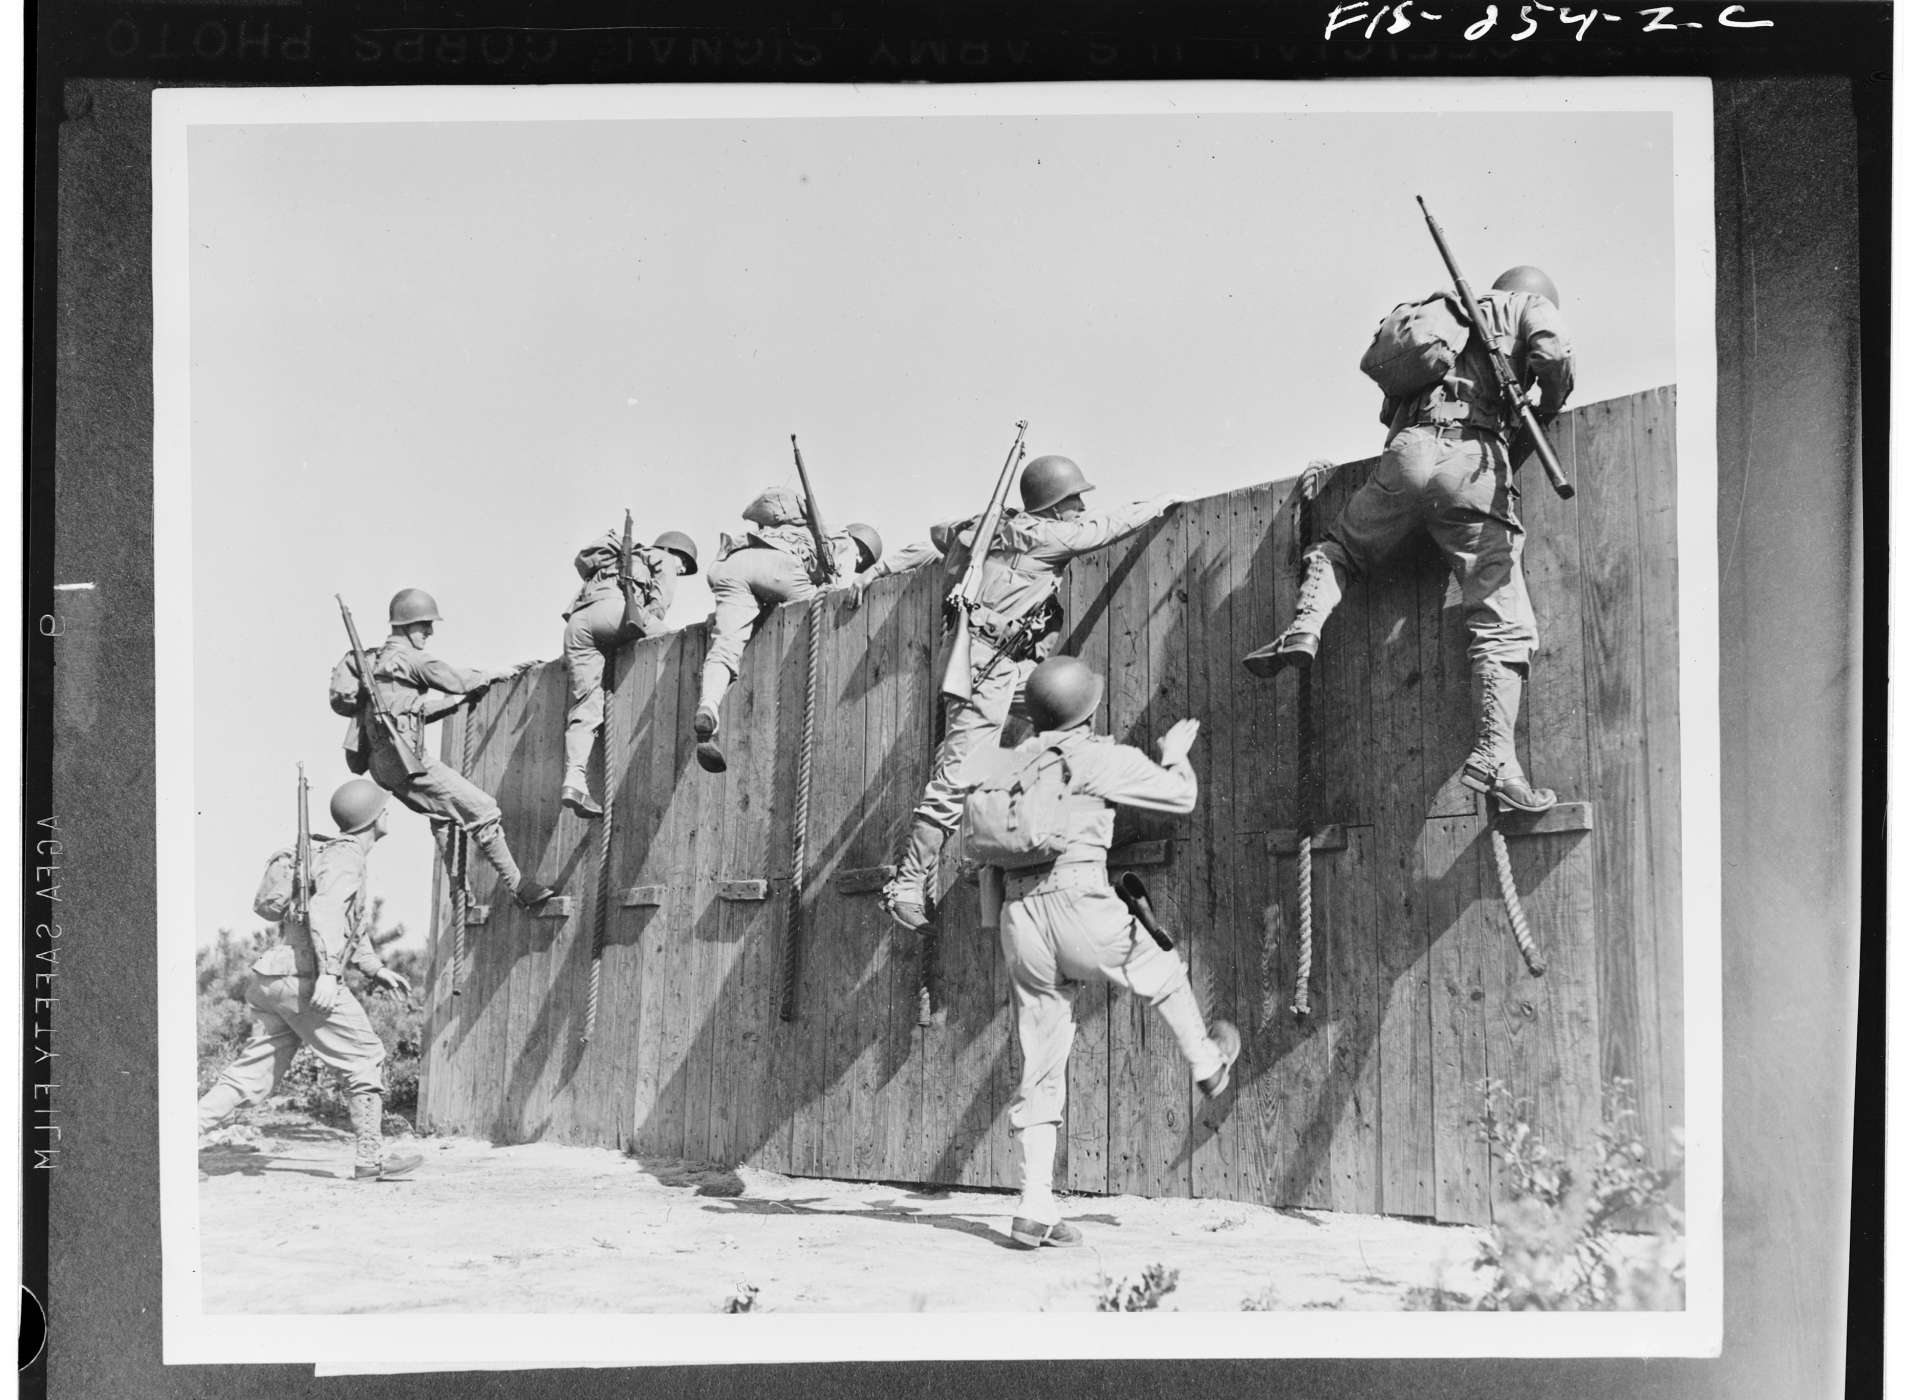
1303 860
802 802
1516 916
457 866
603 893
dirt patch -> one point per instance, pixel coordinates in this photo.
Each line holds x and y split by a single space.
544 1228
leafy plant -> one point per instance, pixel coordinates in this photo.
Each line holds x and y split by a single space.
1137 1292
746 1297
1563 1235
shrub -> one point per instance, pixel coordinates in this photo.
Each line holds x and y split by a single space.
1560 1239
1137 1292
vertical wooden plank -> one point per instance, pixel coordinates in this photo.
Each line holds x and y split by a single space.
531 788
1094 1070
1555 697
1351 1014
1406 1130
1543 1032
436 1059
652 794
834 941
1438 698
886 1030
689 891
1612 633
603 1092
909 646
739 995
792 1073
1457 915
1660 648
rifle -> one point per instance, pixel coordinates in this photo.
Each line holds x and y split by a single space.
1133 890
956 678
828 573
1510 389
302 857
403 748
632 622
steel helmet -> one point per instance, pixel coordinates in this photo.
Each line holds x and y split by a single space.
1527 279
1062 691
868 539
1049 480
411 605
680 543
357 804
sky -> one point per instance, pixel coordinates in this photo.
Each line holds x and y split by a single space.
447 354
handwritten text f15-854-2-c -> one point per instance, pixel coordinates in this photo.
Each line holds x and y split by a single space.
1515 23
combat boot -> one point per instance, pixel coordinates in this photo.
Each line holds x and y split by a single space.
714 681
1226 1037
1320 594
1493 767
528 892
579 800
905 897
370 1163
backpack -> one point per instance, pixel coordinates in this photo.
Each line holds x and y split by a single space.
273 901
1416 345
1021 814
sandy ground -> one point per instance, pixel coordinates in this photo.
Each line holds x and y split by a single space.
544 1228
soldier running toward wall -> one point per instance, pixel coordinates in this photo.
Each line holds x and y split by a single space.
775 562
296 992
1039 819
406 675
595 627
1447 470
1016 624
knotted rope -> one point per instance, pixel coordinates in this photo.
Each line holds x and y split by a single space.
1303 859
457 871
1516 916
802 803
603 892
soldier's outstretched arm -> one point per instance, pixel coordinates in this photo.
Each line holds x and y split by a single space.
1061 540
1123 775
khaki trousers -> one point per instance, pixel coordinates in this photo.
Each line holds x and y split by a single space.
283 1020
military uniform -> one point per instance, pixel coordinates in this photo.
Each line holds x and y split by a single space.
1446 471
280 994
407 677
775 562
1021 573
593 621
1062 924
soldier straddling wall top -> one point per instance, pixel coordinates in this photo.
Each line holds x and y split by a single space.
1016 623
1446 470
777 562
597 624
295 989
1039 820
405 673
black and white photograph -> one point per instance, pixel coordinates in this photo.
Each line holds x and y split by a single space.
896 700
988 704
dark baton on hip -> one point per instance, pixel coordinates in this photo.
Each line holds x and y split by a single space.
1134 891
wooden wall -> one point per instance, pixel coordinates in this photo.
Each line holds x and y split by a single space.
1418 993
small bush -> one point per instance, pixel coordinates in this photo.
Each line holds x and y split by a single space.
1560 1239
1137 1292
746 1297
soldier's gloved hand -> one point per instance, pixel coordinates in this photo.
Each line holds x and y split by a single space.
326 991
1164 504
387 980
853 591
1307 485
1177 740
